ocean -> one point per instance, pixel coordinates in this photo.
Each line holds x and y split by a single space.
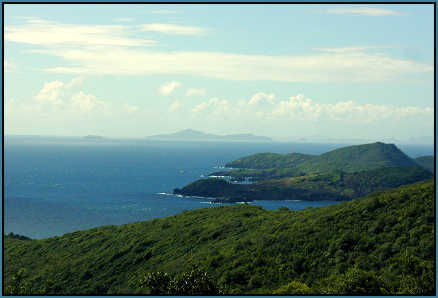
56 185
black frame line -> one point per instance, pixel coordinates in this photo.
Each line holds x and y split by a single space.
263 2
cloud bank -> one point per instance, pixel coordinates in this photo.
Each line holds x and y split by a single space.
364 11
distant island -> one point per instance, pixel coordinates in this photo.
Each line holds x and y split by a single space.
342 174
199 136
93 137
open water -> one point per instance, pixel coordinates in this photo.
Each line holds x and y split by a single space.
54 186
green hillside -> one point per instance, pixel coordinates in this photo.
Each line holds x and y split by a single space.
336 185
350 159
427 162
271 160
382 244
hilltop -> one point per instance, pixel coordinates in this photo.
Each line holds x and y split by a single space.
351 158
198 136
342 174
381 244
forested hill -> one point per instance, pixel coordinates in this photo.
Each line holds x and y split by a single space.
335 185
351 158
427 162
342 174
381 244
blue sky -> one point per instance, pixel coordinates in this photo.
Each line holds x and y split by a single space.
284 71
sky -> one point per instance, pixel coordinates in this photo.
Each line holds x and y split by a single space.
287 71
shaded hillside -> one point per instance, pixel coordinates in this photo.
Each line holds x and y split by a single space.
350 159
382 244
271 160
427 162
335 185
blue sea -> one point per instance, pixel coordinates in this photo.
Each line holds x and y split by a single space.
56 185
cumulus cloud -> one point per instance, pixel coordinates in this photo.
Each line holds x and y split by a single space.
86 102
194 91
75 82
364 11
214 106
66 96
51 92
261 97
168 88
173 29
301 108
47 33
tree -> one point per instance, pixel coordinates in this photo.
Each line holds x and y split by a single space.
193 282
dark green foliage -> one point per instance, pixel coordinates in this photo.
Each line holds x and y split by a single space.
18 285
365 157
335 185
427 162
293 288
193 282
271 160
381 244
349 159
17 236
156 283
354 282
209 188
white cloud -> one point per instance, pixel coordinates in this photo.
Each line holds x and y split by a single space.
214 106
349 66
168 88
175 106
75 82
173 29
68 70
353 49
261 97
46 33
364 11
86 102
60 94
51 92
193 91
300 108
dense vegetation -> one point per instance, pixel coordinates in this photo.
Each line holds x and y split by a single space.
427 162
349 159
335 185
341 174
381 244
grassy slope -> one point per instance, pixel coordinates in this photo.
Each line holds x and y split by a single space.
335 185
427 162
249 249
350 159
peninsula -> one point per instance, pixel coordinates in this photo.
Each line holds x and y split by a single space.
342 174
